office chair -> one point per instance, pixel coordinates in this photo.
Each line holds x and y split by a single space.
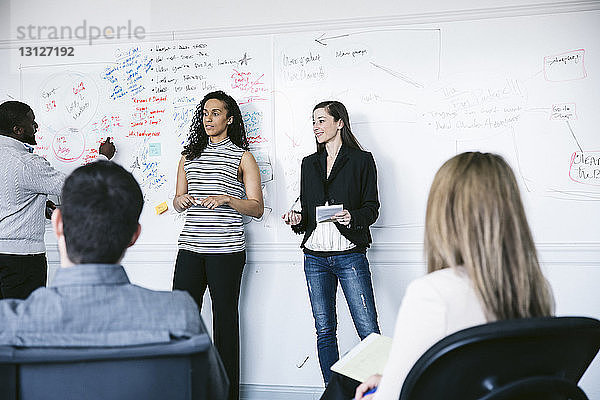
529 359
173 370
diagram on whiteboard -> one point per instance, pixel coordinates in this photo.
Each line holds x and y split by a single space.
415 97
413 109
145 97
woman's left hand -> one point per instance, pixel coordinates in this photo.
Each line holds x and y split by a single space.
343 217
213 202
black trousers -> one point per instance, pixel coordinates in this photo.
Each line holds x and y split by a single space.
340 387
21 274
222 273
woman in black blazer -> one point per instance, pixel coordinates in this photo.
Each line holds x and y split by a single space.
339 173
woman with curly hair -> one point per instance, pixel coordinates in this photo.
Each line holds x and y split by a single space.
217 183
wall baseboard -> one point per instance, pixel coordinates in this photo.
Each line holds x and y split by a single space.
380 254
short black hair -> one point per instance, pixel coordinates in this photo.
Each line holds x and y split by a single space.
101 206
12 113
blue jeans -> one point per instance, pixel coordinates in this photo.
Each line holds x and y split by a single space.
322 275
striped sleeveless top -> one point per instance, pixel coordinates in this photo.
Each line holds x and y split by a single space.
214 173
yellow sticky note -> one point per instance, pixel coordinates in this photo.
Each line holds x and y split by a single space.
161 208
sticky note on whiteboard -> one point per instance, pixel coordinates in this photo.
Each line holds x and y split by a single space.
154 149
161 208
565 66
563 111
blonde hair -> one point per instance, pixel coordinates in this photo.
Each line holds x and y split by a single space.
475 218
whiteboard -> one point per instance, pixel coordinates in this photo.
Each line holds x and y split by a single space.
145 96
381 89
524 87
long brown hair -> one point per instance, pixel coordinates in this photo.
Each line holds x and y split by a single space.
338 111
475 218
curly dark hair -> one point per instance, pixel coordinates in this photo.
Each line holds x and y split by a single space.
198 139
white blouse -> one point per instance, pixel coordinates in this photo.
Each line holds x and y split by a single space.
327 237
434 306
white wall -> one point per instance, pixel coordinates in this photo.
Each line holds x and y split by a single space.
277 327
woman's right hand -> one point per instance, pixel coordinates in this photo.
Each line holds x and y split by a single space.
183 202
292 217
371 382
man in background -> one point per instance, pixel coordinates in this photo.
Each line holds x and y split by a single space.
26 180
90 301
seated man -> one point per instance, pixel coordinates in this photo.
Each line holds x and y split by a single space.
90 301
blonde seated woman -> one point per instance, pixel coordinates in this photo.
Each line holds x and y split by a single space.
481 260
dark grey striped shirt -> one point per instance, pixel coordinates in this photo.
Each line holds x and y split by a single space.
214 173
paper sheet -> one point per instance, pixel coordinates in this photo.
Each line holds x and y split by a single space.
366 358
326 213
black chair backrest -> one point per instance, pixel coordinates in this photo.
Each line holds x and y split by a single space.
534 358
173 370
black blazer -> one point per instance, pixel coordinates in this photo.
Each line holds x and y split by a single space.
352 182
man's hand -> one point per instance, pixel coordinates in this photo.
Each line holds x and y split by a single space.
107 148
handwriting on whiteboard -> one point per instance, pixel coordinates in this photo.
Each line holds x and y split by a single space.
565 66
585 167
